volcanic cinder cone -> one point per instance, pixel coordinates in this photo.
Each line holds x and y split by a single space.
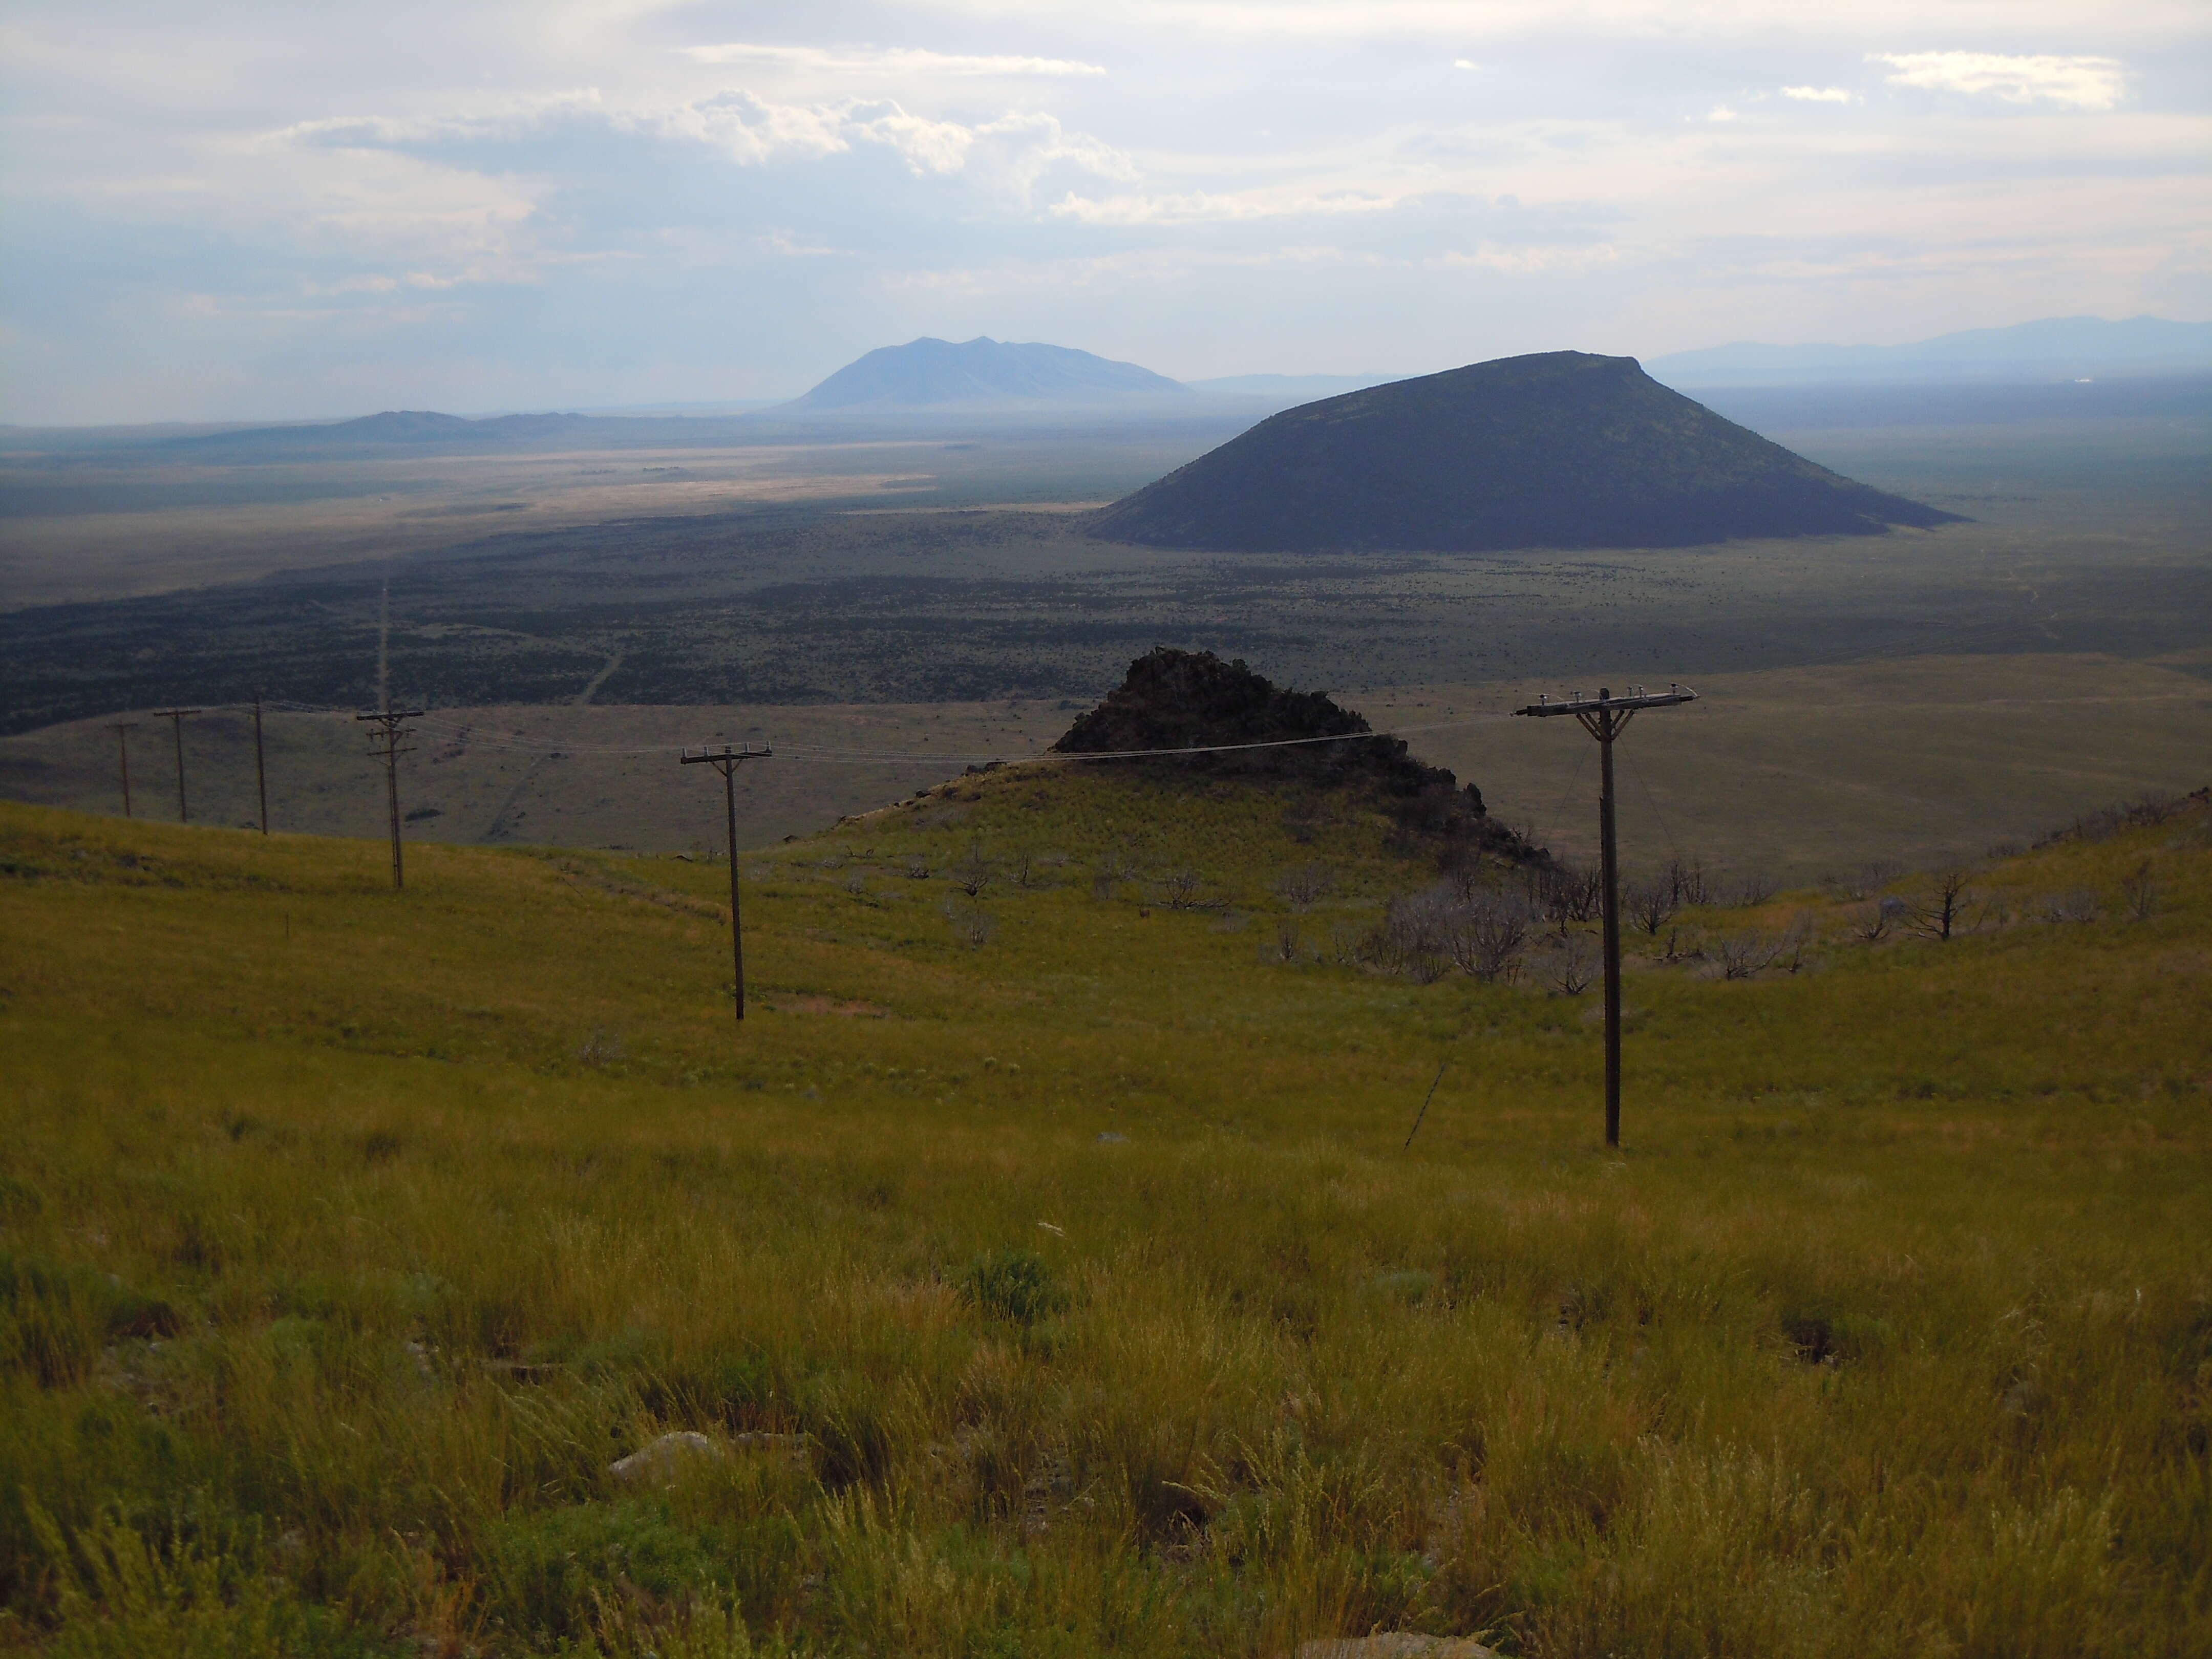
1561 449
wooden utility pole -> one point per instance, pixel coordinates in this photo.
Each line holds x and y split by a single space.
122 758
260 767
727 760
385 744
1605 717
176 718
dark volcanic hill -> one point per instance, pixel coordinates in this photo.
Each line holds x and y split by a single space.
1562 449
1193 700
924 373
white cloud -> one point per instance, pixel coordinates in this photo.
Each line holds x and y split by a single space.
1010 153
1528 261
1461 21
785 243
2080 82
1249 170
1201 207
891 60
1722 112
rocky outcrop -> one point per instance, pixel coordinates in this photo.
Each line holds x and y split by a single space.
1191 712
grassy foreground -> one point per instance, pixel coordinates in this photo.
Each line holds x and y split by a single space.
346 1239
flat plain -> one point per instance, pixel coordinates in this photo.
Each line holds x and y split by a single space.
1793 774
1921 696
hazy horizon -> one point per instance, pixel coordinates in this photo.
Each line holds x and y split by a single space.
259 213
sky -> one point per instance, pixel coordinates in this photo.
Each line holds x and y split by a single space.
240 211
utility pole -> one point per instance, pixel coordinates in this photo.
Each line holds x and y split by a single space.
385 744
176 718
260 767
727 760
123 757
1605 717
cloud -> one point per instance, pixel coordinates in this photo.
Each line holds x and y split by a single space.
791 246
1722 112
1010 154
1528 261
890 60
1819 94
1465 63
2079 82
1202 207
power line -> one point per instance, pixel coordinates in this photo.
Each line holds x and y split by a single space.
828 754
515 743
1652 801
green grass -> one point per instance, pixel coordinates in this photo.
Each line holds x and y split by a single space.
350 1236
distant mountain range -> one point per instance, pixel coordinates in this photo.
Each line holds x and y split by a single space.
1560 449
2053 349
926 381
928 374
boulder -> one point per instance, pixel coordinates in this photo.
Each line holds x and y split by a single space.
663 1461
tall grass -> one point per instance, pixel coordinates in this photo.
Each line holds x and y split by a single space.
1088 1262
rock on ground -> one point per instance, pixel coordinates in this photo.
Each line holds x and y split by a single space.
659 1462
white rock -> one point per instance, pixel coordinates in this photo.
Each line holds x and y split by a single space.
660 1462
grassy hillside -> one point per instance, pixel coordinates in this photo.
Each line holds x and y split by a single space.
350 1235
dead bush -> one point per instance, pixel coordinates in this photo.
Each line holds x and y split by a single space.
1304 885
1570 964
1651 905
2075 904
1489 936
1180 887
1753 889
1940 909
1687 882
974 873
2139 893
972 925
1563 893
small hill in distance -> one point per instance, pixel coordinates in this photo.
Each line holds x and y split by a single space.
396 429
1560 449
928 374
1223 718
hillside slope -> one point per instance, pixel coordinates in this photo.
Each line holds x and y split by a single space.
1560 449
1062 1281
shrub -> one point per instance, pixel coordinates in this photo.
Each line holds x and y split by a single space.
1015 1284
1304 885
972 925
